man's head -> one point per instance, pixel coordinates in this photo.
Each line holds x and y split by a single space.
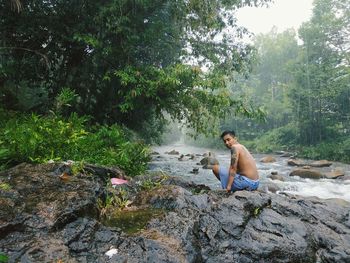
232 133
229 138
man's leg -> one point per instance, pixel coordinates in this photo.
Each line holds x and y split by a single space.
216 170
221 174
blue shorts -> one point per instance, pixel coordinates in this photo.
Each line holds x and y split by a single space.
239 183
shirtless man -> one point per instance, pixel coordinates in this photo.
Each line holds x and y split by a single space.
242 173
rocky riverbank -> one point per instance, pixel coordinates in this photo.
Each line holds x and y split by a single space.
49 215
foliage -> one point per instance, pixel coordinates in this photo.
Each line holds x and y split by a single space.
78 167
277 139
64 99
39 139
303 86
115 199
149 184
322 73
33 138
113 146
266 88
268 84
3 258
212 142
331 150
4 153
286 138
123 61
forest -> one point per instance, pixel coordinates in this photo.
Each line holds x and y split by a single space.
100 81
301 80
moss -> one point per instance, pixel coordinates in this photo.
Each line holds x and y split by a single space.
5 186
133 221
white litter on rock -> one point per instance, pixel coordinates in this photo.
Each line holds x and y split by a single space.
111 252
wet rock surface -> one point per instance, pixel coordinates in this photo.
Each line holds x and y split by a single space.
46 219
268 159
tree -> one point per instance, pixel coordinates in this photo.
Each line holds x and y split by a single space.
128 61
269 82
323 76
277 53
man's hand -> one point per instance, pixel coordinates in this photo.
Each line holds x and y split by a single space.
228 189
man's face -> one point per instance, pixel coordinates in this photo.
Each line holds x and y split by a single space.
229 140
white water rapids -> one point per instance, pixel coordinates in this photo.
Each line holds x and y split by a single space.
322 188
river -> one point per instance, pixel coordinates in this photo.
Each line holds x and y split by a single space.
322 188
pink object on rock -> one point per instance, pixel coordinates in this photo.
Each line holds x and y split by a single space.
115 181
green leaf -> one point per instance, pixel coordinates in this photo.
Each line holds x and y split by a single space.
3 258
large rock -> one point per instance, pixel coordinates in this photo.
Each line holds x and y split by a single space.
173 152
299 162
321 163
208 162
336 173
296 162
46 219
307 173
268 159
273 188
276 177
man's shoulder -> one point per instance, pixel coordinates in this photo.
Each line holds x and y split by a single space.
237 147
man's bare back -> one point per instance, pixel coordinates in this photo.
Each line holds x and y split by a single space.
246 165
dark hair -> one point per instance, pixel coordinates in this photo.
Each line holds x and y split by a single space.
232 133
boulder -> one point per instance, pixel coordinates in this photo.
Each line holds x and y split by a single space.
335 173
268 159
299 162
296 162
273 188
173 152
307 173
46 219
181 158
208 162
321 163
276 177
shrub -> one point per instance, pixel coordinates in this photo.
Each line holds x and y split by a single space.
37 139
281 138
111 146
335 151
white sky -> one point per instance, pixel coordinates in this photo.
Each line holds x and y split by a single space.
282 13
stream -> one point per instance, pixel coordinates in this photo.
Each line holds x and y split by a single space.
322 188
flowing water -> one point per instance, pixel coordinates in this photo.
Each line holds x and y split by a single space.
322 188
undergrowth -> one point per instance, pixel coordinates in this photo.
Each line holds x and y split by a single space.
38 139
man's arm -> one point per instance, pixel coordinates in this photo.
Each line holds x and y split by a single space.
233 168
